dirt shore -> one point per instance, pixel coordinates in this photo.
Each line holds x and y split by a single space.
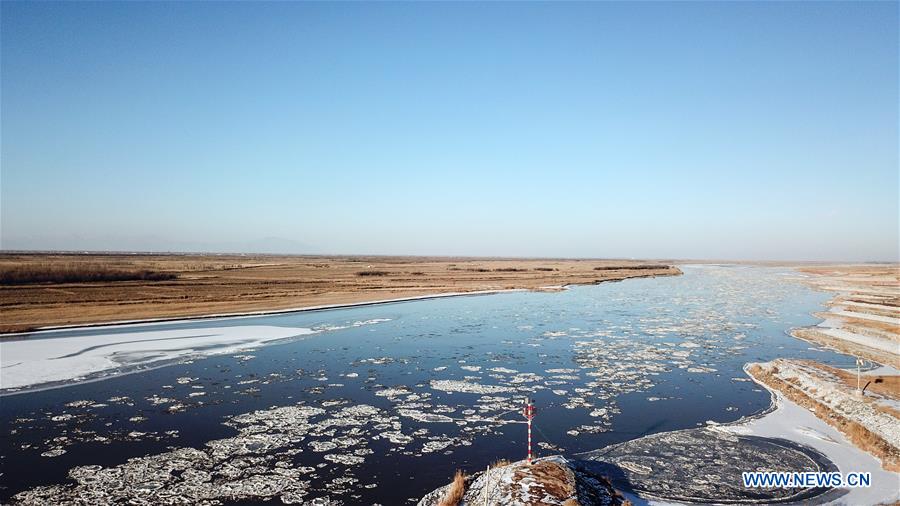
864 316
217 284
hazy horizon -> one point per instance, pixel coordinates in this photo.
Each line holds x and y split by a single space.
290 253
720 131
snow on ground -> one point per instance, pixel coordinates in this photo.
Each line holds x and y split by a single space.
867 305
790 421
823 388
869 341
884 370
44 361
837 310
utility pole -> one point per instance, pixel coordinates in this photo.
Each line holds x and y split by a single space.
528 413
859 362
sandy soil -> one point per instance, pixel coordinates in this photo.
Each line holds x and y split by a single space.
216 284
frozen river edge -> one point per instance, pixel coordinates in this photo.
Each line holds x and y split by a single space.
37 360
49 362
790 421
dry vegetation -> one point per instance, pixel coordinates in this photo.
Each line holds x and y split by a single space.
213 284
499 463
554 480
554 484
456 491
74 273
639 267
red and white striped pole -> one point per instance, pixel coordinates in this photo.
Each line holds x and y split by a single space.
528 413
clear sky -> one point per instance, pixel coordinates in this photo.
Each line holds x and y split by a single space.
651 130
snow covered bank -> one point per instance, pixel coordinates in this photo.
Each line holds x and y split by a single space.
43 362
863 317
791 421
869 341
868 425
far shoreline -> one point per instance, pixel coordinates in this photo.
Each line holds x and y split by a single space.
303 309
50 292
253 314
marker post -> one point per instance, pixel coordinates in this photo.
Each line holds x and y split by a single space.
528 413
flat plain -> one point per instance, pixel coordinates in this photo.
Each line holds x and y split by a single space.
199 285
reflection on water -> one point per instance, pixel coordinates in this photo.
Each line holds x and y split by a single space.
385 412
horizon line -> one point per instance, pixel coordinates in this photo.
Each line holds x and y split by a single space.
4 251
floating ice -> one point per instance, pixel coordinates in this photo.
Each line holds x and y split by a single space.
424 417
467 387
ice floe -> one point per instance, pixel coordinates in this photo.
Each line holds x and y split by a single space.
468 387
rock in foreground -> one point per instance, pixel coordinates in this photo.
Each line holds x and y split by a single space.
547 481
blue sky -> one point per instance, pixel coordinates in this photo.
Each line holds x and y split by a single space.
651 130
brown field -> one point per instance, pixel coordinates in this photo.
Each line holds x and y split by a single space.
216 284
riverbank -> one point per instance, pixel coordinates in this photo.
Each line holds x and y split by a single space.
863 318
192 286
798 423
871 420
251 314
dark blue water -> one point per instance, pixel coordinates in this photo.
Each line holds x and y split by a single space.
604 364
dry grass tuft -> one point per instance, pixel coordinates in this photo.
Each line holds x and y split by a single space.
499 463
75 273
554 479
372 273
630 267
456 491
